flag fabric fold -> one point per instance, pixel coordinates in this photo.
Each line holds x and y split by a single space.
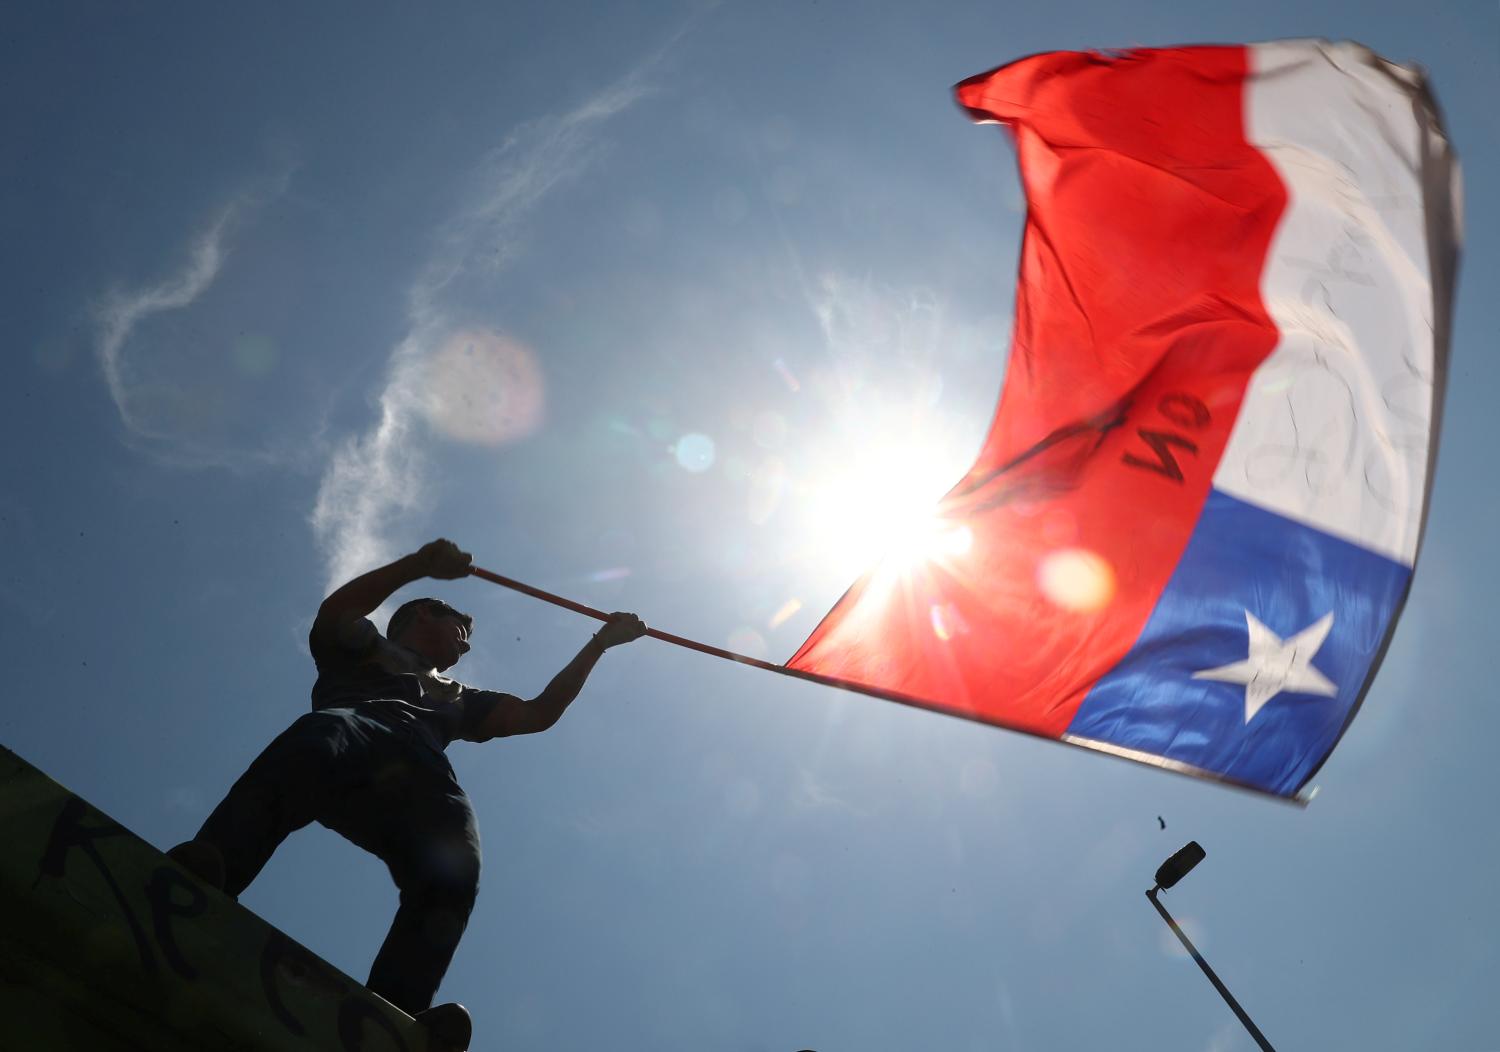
1193 521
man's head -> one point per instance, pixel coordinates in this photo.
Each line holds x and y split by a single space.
432 629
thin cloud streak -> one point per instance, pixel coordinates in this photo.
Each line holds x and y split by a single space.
120 313
374 480
515 177
374 476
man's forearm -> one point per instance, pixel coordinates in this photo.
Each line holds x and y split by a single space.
548 706
361 596
499 715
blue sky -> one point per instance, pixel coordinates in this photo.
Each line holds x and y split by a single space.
727 266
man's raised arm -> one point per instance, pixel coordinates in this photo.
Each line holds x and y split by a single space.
506 714
358 599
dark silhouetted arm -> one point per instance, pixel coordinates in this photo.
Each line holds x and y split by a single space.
356 600
503 715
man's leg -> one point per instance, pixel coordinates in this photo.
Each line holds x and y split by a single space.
284 789
421 825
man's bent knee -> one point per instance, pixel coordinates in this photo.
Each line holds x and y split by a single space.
444 872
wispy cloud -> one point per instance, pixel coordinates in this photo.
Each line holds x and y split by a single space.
122 311
129 371
514 178
372 477
373 481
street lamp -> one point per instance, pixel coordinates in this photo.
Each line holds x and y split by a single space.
1169 873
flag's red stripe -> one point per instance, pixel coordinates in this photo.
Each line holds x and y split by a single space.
1138 324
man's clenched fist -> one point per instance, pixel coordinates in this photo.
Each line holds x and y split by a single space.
620 628
444 560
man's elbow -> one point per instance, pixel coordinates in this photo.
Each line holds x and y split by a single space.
538 715
521 717
542 720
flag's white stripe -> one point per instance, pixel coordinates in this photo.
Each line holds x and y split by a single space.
1336 423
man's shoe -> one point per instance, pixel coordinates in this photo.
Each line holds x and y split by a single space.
449 1028
202 860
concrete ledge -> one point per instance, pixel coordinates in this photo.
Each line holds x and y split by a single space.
106 944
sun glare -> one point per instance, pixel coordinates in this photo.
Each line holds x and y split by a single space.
881 511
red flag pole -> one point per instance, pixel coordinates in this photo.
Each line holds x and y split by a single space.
859 688
655 633
720 652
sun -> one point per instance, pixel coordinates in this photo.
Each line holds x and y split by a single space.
879 508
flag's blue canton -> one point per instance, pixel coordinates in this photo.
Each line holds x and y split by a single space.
1287 575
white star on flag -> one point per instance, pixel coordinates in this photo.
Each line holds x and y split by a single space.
1276 665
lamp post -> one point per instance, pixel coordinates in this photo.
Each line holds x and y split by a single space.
1170 872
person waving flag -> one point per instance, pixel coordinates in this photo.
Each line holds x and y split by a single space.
1193 522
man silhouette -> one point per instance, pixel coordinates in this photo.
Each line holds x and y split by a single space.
368 763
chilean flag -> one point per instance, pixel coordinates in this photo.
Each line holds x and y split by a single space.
1192 525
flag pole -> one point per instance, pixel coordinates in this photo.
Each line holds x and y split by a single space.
742 659
876 692
654 633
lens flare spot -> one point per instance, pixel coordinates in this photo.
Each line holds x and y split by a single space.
1077 579
695 452
746 640
1172 947
788 608
484 388
940 624
946 621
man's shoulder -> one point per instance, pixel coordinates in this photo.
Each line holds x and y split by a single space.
351 641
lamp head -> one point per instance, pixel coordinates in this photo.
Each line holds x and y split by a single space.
1177 867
